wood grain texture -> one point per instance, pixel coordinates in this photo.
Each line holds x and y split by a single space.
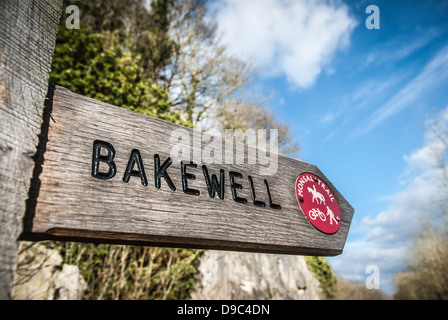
27 36
73 205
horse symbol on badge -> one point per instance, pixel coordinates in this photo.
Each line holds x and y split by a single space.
317 195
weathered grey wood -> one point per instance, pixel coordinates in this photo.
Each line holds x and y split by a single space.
73 205
27 36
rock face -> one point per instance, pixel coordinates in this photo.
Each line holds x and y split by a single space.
235 275
41 275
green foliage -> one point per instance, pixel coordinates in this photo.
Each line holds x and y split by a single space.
132 273
322 271
141 31
96 65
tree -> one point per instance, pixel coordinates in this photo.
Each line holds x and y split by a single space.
211 86
141 27
347 290
425 276
202 74
245 115
97 66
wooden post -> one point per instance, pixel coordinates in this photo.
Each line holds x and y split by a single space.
28 31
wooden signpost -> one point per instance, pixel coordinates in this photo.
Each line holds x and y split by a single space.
107 174
102 173
27 36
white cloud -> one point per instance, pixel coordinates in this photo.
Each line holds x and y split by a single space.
328 117
401 47
383 240
434 73
296 38
426 156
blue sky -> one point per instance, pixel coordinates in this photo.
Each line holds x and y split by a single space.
357 101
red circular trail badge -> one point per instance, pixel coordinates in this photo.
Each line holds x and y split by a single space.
318 203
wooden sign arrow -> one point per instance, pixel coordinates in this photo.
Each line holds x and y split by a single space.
107 174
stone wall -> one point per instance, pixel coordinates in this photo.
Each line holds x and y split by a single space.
235 275
41 275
